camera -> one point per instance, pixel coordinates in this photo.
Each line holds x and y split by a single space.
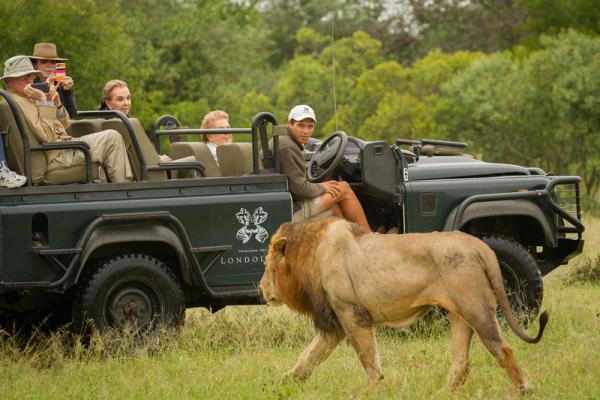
44 87
60 72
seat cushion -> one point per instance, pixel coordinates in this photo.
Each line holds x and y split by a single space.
15 149
199 150
83 127
235 159
73 174
147 149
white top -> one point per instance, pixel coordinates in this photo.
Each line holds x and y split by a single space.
213 150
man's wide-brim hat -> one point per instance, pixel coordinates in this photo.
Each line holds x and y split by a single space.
46 51
18 66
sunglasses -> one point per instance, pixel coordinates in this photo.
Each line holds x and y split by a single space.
46 62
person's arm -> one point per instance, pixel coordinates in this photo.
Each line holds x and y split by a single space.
40 116
67 97
293 165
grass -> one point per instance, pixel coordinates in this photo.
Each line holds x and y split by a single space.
242 352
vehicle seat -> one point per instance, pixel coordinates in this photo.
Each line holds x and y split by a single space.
82 127
235 159
148 152
199 150
15 153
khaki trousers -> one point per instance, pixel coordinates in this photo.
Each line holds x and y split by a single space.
107 148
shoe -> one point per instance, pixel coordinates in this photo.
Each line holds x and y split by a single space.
10 179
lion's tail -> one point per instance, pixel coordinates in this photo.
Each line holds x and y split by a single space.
492 270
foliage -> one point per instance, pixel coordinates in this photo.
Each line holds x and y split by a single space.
541 111
485 25
555 16
587 271
91 35
411 69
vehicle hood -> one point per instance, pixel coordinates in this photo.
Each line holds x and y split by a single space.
459 167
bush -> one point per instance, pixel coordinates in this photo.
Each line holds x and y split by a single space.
586 271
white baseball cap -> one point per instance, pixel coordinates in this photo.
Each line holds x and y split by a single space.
301 112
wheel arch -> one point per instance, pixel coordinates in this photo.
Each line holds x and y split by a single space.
149 238
517 211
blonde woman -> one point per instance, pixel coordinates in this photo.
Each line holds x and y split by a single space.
116 96
216 120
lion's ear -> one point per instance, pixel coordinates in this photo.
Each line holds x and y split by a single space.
279 245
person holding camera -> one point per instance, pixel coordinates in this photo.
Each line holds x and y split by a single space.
48 123
45 59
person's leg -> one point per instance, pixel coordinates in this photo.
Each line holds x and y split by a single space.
2 152
337 211
108 148
348 204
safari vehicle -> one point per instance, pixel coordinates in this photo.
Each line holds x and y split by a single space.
139 253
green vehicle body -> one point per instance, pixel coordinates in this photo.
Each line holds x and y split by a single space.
213 233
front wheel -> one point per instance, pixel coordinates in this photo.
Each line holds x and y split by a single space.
522 277
130 292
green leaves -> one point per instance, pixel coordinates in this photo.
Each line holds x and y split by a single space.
409 69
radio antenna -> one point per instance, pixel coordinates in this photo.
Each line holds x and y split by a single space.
333 68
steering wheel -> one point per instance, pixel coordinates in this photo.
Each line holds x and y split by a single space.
327 157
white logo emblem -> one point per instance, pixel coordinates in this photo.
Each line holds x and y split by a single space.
252 225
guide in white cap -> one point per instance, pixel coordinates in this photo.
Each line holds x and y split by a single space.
301 112
311 198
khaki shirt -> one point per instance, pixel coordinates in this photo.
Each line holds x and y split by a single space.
43 122
294 166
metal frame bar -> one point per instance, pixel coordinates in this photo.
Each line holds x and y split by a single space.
27 149
118 114
544 194
258 130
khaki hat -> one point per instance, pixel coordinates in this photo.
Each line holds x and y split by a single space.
18 66
46 51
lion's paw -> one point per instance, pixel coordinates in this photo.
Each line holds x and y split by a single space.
296 376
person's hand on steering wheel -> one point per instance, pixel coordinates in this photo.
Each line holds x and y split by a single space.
327 157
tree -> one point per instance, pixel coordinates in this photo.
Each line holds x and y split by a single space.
543 110
554 16
90 35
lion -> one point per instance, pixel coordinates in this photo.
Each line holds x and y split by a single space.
347 280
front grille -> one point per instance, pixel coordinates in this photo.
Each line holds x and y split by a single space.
567 198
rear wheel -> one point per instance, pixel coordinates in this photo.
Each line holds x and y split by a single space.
131 292
522 277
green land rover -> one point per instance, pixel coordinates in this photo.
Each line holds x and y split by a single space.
194 234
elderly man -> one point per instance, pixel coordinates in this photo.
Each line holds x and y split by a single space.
310 198
44 59
48 123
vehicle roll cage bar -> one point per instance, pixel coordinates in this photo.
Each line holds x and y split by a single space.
27 148
168 125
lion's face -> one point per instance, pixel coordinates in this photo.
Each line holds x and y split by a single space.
268 283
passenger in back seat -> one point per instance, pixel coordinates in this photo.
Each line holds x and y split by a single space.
8 178
44 59
48 124
216 120
116 96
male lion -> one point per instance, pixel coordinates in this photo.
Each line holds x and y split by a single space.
348 280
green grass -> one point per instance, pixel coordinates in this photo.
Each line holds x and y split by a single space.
242 352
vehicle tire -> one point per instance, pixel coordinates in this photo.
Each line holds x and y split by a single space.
522 277
130 292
